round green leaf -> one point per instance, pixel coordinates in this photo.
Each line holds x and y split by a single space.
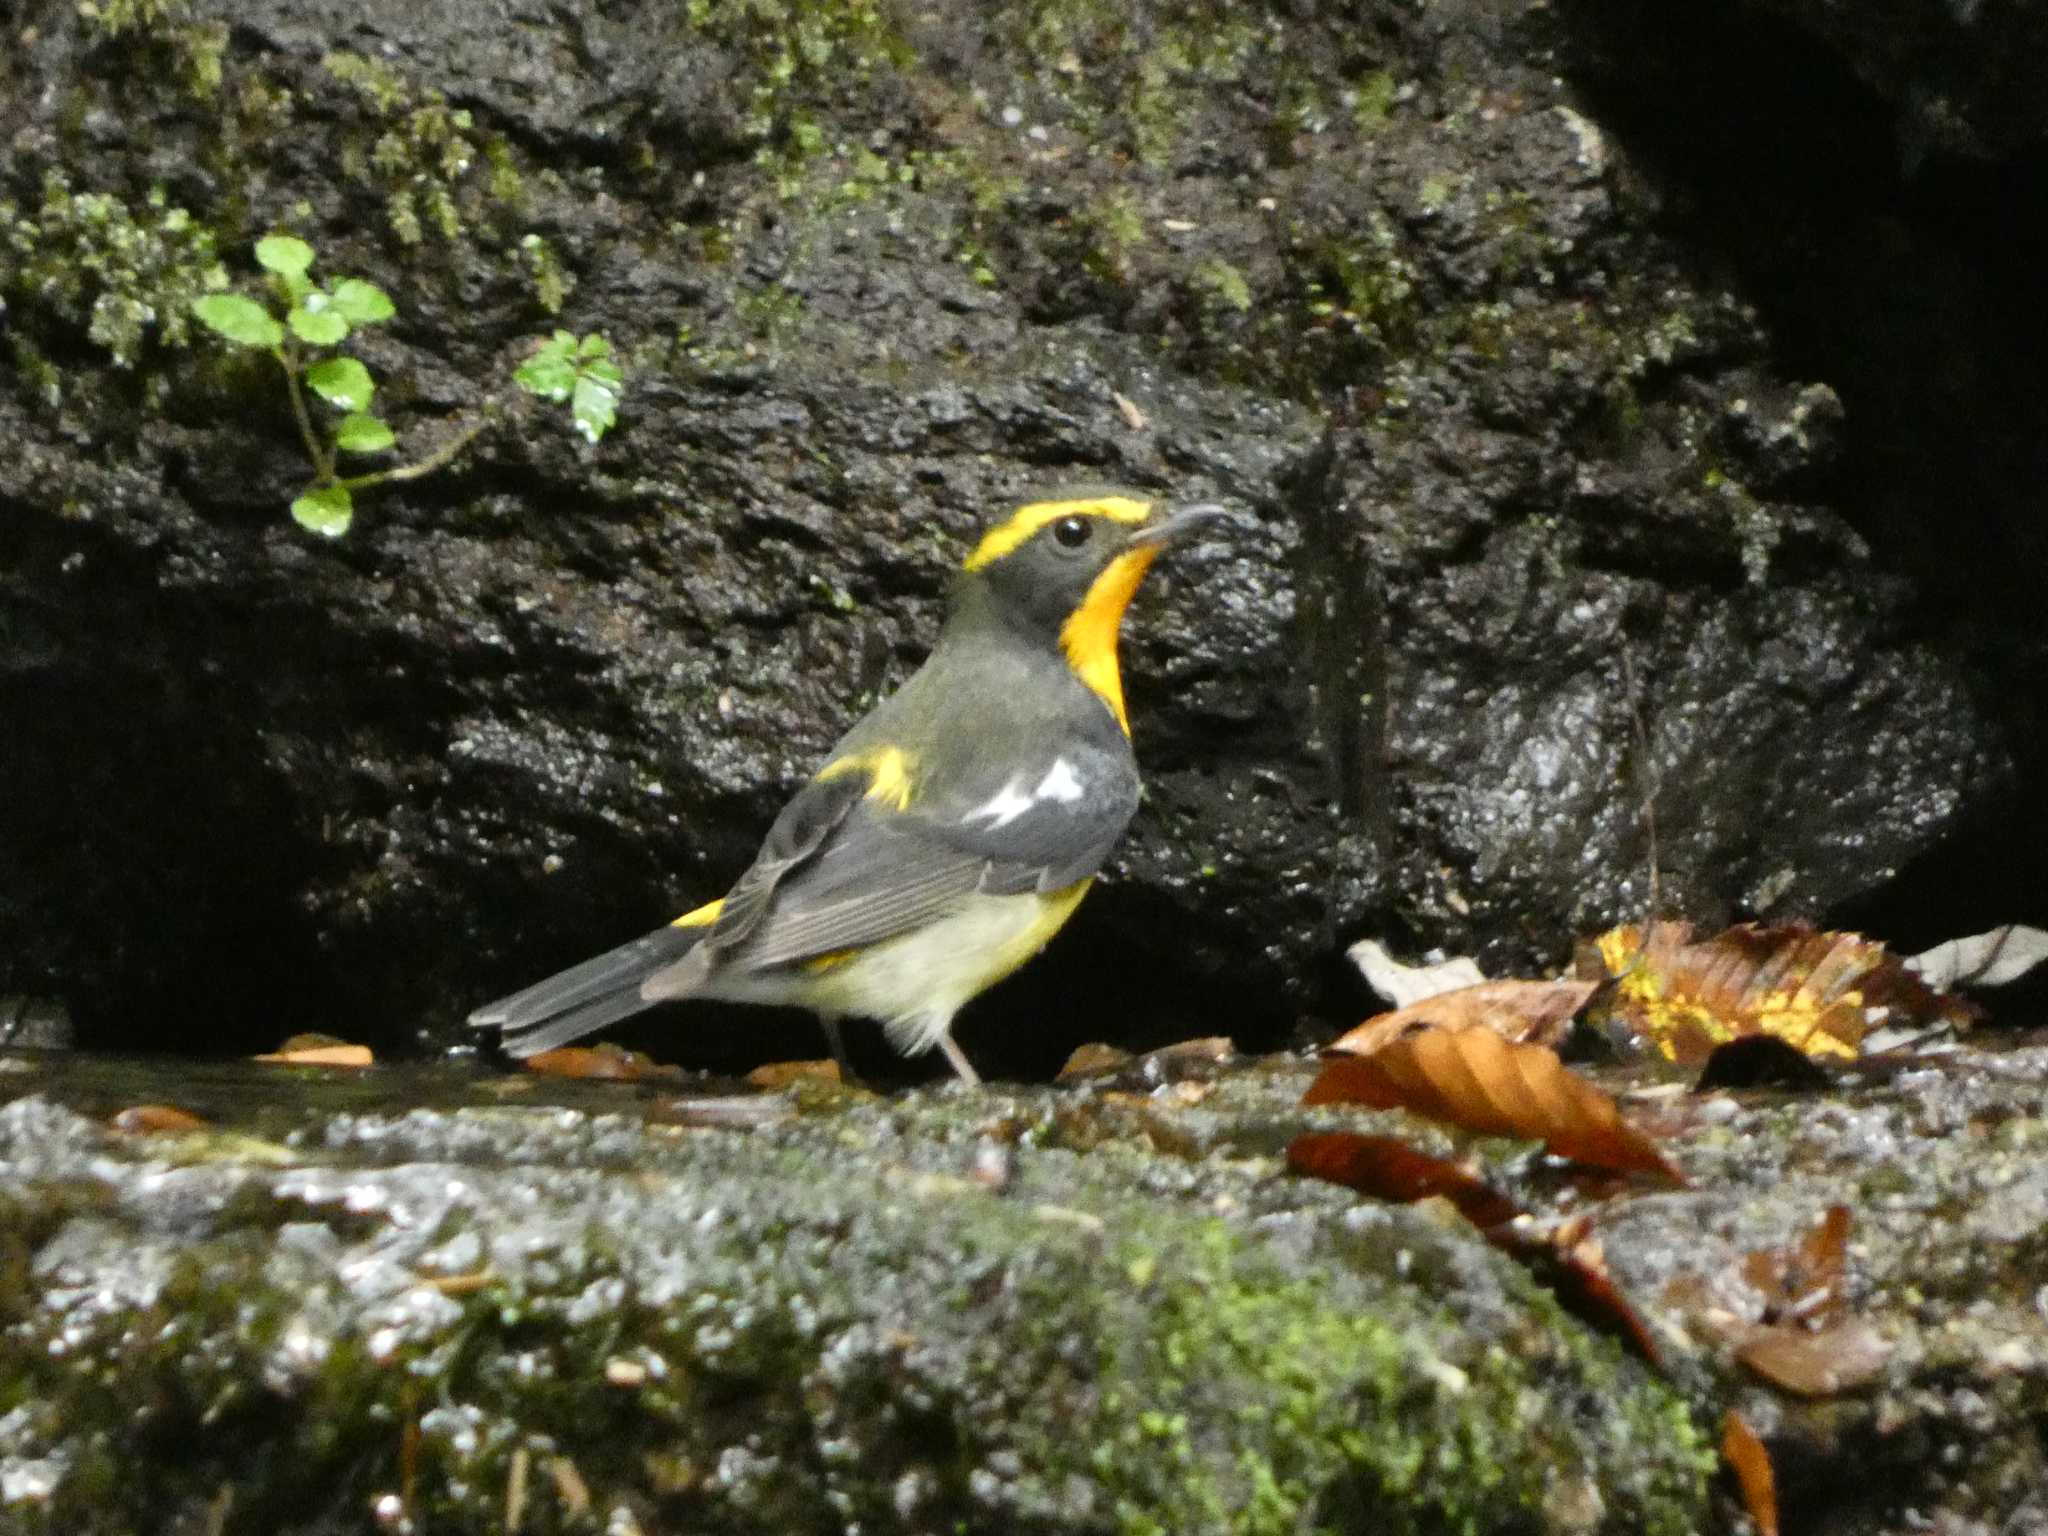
361 433
286 255
315 321
242 321
595 406
547 375
342 381
326 511
361 303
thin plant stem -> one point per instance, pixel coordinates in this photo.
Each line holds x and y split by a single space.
438 459
323 461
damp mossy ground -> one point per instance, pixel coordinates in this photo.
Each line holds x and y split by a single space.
941 1312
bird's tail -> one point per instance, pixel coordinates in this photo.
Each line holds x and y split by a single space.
587 997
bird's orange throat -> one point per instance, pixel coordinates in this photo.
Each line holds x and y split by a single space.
1089 636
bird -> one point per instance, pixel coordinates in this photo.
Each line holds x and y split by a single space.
950 833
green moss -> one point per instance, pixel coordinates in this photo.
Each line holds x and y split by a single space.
435 168
1373 101
552 283
115 18
1226 285
120 273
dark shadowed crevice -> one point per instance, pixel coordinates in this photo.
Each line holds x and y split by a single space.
1909 284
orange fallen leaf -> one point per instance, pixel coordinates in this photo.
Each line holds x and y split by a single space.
780 1074
1821 992
1475 1080
1387 1168
156 1120
1743 1449
320 1051
1538 1012
609 1063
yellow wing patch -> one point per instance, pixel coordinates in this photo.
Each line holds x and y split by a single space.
701 917
1089 635
1027 520
888 771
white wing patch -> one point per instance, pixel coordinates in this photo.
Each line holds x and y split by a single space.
1002 808
1060 784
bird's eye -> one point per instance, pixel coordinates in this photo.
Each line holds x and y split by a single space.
1072 532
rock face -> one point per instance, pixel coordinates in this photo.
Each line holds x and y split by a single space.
1544 517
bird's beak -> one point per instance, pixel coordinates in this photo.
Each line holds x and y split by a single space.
1177 523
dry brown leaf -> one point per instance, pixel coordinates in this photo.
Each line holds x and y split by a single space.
1526 1012
609 1063
1804 1283
156 1120
775 1075
1743 1449
1566 1258
1473 1079
1107 1065
1387 1168
1091 1060
1835 1360
320 1051
1571 1262
458 1285
1821 992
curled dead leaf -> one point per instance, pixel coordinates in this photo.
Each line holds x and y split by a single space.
1537 1012
1821 992
1475 1080
1570 1261
1993 959
1565 1257
1402 984
1744 1451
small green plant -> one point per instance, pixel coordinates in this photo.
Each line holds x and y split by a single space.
581 373
303 325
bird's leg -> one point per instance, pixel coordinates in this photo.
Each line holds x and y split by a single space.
958 1058
836 1038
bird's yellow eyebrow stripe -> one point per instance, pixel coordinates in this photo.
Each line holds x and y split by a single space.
1027 520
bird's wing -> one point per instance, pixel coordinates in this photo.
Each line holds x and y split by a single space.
877 871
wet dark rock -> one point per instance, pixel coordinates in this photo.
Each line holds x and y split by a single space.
404 1293
1547 510
331 1314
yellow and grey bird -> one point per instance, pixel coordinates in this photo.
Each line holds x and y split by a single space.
950 833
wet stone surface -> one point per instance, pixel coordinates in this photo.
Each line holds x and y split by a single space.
453 1297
